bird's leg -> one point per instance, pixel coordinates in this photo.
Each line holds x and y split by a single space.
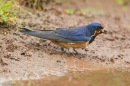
75 51
85 49
62 49
71 50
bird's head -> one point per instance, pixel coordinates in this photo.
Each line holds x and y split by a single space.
95 28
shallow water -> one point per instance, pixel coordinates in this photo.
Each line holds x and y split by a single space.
91 78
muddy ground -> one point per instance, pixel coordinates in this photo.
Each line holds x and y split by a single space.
26 57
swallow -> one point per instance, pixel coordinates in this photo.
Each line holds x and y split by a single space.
70 38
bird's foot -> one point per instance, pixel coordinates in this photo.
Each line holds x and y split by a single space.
85 49
76 55
71 52
75 51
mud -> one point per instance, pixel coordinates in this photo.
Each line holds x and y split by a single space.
27 57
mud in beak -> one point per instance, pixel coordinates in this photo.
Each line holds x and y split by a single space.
102 31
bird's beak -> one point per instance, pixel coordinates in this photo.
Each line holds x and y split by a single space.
102 27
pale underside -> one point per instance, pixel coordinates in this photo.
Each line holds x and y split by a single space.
70 46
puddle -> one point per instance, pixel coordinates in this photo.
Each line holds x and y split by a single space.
91 78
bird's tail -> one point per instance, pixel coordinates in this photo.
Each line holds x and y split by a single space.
36 33
23 30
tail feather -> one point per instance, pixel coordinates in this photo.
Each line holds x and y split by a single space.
40 34
24 29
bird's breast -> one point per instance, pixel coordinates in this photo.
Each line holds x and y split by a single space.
73 45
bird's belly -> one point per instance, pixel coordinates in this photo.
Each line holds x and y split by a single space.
73 45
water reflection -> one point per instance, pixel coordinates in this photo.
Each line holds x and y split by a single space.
95 78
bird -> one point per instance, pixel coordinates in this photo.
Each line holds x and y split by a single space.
70 38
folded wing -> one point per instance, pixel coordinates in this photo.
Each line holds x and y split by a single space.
51 35
75 34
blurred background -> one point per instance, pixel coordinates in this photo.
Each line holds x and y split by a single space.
18 11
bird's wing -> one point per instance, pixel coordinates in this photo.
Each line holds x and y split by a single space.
66 31
50 35
75 34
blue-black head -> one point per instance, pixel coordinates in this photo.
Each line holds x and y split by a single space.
94 27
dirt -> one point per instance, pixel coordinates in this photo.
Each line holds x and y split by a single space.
26 57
